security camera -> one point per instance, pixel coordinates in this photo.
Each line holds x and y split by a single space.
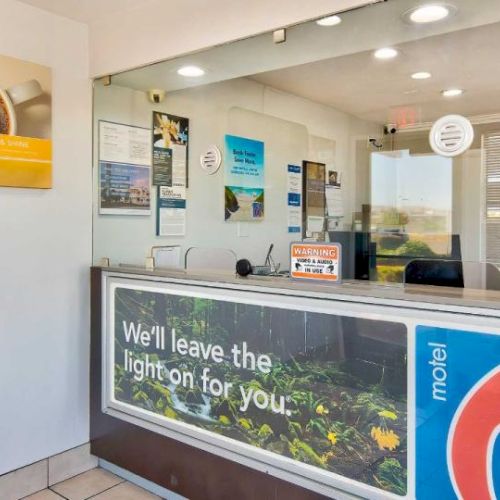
156 96
390 128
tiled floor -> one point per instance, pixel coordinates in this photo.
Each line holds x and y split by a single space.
97 484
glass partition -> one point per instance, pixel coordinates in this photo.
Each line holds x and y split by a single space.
250 146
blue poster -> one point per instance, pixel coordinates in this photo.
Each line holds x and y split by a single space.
294 198
124 189
244 181
457 414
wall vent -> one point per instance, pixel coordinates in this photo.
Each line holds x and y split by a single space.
451 135
211 159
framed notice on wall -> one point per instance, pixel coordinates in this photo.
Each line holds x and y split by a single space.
124 169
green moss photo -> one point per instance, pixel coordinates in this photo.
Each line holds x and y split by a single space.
329 391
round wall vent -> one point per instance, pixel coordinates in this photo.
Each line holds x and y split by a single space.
211 160
451 135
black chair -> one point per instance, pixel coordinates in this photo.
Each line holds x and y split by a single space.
435 272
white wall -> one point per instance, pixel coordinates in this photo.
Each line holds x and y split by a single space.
161 30
293 129
45 253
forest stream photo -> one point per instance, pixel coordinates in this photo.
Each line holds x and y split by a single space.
322 389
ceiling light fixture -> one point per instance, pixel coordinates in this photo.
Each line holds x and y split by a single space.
386 53
329 21
421 75
193 71
452 92
429 13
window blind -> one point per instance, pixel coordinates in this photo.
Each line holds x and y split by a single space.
492 185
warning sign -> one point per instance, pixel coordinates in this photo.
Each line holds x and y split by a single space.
315 261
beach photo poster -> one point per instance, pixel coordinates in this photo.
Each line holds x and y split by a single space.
244 179
25 124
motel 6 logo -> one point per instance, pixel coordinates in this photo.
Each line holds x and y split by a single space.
471 440
457 414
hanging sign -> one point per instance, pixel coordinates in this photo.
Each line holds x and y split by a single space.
315 261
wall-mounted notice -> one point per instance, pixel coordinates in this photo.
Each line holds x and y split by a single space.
162 167
124 189
170 149
333 195
124 169
25 124
171 211
294 198
244 179
317 394
119 143
315 261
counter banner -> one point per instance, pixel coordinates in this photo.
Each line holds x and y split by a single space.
458 414
319 395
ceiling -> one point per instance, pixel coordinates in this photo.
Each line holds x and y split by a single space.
335 66
86 11
382 91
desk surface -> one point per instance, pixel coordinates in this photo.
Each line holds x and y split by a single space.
469 301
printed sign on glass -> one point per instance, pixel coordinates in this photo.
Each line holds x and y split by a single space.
315 261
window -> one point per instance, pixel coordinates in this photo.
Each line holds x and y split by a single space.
492 196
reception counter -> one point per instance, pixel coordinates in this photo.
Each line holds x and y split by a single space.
265 388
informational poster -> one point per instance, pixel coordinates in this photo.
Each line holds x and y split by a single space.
244 179
333 195
171 211
124 189
315 261
119 143
458 414
170 149
162 167
124 169
317 393
294 199
25 124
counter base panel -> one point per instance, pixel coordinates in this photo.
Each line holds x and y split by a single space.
178 467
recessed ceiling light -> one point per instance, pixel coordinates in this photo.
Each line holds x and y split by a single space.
452 92
329 21
429 13
386 53
421 75
190 71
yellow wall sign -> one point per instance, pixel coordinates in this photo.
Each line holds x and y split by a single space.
25 162
25 124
